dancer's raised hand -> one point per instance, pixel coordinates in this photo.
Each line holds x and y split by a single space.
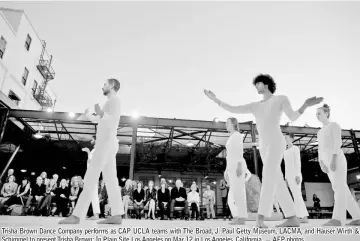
210 94
313 101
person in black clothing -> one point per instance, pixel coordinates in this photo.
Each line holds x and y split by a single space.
62 198
179 199
163 200
316 202
38 191
103 198
139 198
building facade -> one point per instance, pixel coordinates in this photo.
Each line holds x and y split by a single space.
25 66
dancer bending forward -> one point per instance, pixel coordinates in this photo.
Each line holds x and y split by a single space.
103 159
333 162
271 144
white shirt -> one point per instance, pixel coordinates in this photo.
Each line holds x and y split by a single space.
235 151
329 139
292 162
108 124
193 196
268 115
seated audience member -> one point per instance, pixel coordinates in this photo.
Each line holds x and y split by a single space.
8 190
139 199
62 199
163 199
22 194
103 198
126 194
179 199
6 178
75 191
193 199
50 194
151 199
37 194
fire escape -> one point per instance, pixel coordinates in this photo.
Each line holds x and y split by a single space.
40 93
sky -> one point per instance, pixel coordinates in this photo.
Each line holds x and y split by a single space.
166 53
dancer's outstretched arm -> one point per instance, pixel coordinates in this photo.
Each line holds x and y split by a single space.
240 109
91 117
294 115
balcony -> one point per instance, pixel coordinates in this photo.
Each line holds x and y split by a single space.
43 98
45 69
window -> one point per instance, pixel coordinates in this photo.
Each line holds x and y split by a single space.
34 87
14 97
25 76
28 42
2 46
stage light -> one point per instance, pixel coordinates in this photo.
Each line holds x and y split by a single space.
123 179
33 174
358 176
71 114
23 170
38 135
64 168
135 114
189 144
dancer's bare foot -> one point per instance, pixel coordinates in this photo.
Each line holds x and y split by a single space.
291 222
332 222
70 220
354 223
238 221
95 217
112 220
304 220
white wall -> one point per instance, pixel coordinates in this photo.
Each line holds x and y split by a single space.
17 57
323 191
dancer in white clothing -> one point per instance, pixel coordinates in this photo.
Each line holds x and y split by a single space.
272 144
333 162
95 197
235 169
293 177
103 158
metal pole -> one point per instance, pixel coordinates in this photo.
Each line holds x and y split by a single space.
133 151
4 116
356 147
9 162
253 139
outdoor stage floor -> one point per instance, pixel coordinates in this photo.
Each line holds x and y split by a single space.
157 230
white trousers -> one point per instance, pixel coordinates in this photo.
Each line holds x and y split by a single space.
95 201
343 198
237 195
103 160
210 210
273 183
300 207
